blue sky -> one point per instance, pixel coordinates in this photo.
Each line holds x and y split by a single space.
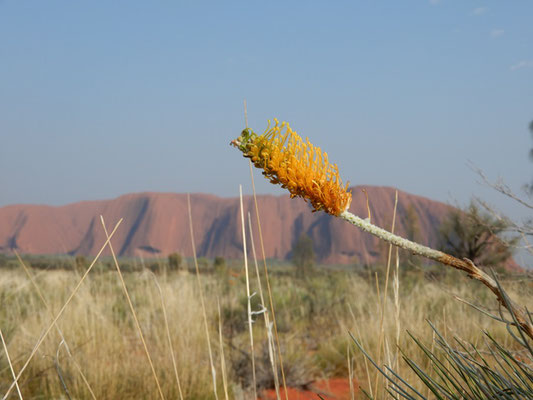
103 98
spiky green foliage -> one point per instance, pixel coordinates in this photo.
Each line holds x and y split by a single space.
462 370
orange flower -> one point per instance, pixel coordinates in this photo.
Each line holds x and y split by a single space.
296 165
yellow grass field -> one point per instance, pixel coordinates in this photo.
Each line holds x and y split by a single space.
314 317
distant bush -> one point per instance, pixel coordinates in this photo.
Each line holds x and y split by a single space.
174 261
155 266
219 262
9 263
478 236
81 263
128 266
303 255
46 264
203 265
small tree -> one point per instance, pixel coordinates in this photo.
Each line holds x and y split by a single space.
303 254
219 262
81 263
477 236
174 261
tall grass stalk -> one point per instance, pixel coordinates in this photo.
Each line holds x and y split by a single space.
52 324
275 325
201 293
222 358
10 364
270 341
60 372
389 362
367 370
269 330
132 309
385 292
378 292
167 329
63 340
396 286
248 295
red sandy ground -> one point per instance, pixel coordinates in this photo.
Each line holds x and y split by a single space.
331 389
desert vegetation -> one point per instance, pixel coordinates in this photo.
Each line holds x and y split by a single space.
314 315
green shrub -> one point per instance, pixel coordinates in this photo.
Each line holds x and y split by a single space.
219 262
174 261
80 263
303 255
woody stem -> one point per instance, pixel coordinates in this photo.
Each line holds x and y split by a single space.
465 265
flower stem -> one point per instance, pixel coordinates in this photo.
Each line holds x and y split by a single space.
464 265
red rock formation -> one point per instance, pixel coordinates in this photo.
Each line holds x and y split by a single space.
157 224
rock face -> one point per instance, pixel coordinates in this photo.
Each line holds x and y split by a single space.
156 224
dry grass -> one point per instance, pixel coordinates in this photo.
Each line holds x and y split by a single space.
103 338
314 318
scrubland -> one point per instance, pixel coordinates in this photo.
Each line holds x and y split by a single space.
315 313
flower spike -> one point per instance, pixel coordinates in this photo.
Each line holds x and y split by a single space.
305 171
297 166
